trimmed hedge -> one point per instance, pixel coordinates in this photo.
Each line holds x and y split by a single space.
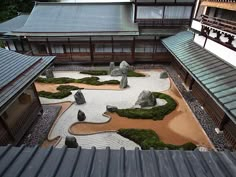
132 73
57 95
95 72
86 80
64 91
155 113
149 139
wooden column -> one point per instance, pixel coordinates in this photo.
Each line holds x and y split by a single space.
70 49
112 48
135 11
223 122
91 50
49 47
191 84
186 77
133 51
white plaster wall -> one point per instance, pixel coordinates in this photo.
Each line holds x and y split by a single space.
221 51
196 25
200 40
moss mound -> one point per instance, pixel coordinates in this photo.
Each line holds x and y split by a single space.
164 75
95 72
132 73
86 80
155 113
64 91
149 139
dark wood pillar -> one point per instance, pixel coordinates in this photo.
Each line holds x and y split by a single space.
133 51
70 49
91 50
186 77
135 11
7 45
49 47
191 84
112 48
30 47
223 122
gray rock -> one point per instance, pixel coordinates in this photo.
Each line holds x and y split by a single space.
79 97
111 108
71 142
124 81
124 65
111 66
116 72
145 99
81 116
164 75
49 73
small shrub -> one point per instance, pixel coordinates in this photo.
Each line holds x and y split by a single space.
95 72
132 73
149 139
155 113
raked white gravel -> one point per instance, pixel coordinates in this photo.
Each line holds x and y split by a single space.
95 106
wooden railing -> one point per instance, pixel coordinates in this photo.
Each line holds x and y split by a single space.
163 22
219 23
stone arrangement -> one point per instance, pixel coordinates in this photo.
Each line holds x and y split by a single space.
81 116
110 108
71 142
49 73
111 67
124 67
146 99
79 97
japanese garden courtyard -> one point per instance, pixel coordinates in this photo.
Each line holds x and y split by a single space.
114 129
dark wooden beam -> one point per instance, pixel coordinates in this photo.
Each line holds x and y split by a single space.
112 48
135 12
223 122
191 84
133 51
70 48
91 50
49 47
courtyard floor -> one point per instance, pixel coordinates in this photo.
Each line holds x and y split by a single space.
178 127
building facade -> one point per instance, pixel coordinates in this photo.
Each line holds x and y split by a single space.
101 32
19 102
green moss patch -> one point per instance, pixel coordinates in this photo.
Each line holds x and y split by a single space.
95 72
149 139
64 91
86 80
132 73
155 113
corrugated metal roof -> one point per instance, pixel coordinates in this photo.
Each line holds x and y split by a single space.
63 162
79 18
17 71
13 23
216 76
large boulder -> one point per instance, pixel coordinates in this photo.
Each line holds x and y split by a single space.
71 142
49 73
164 75
116 72
81 116
146 99
111 108
124 65
124 81
79 97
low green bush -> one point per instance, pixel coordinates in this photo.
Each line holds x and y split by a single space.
95 72
149 139
132 73
57 95
67 87
64 91
164 75
155 113
85 80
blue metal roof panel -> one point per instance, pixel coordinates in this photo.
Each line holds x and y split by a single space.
26 161
215 75
79 18
19 74
13 23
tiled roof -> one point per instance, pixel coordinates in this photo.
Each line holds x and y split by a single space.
62 162
13 24
79 18
216 76
17 71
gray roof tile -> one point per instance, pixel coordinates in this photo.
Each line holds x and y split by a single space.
41 162
216 76
17 71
